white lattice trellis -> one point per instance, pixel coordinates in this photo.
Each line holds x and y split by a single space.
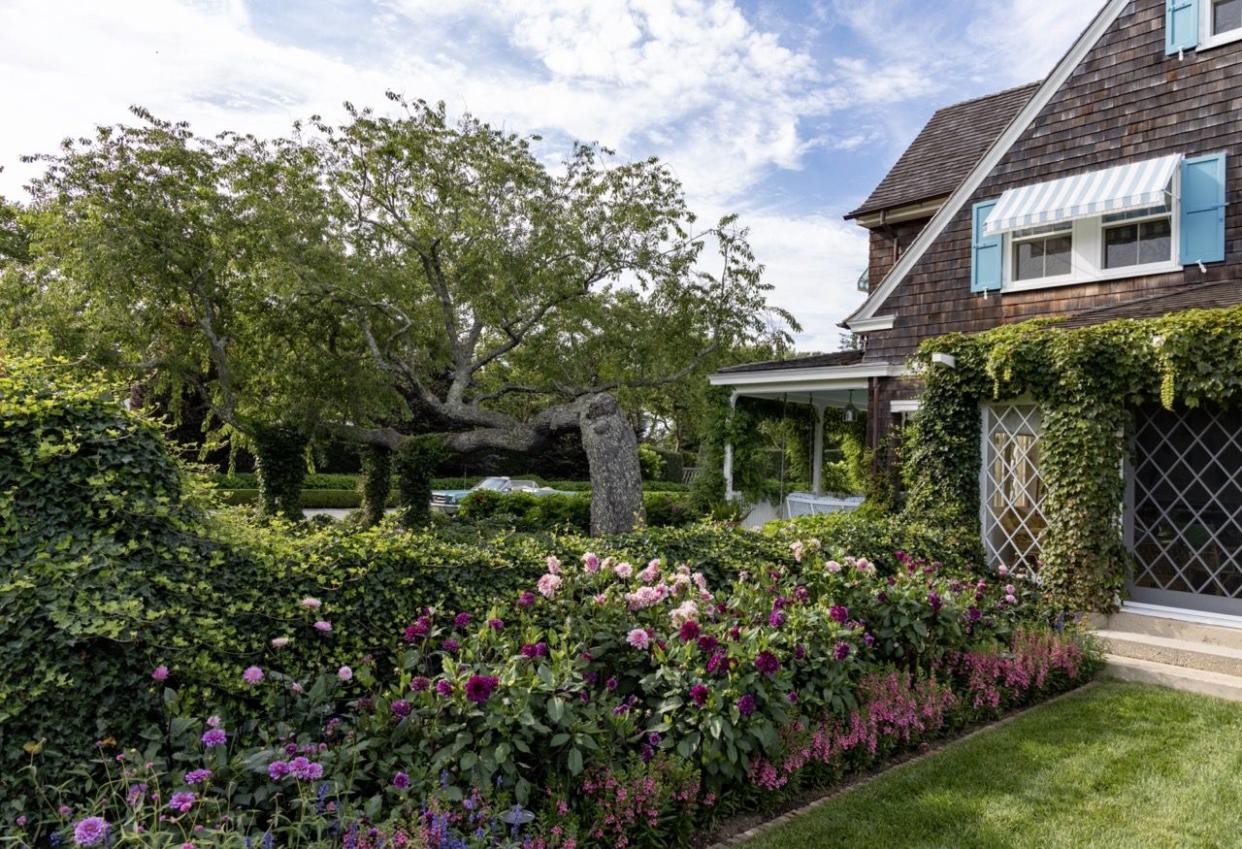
1187 512
1013 492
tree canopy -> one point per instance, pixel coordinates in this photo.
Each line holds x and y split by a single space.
395 274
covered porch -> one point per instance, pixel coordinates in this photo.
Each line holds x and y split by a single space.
822 382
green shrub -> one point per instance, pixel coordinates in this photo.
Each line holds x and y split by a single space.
414 464
280 468
528 512
879 538
650 463
376 482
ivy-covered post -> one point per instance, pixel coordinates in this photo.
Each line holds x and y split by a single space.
376 482
280 466
415 465
728 451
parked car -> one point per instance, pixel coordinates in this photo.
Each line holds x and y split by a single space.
449 500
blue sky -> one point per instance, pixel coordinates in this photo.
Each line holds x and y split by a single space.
785 112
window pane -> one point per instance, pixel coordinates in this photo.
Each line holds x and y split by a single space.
1120 246
1030 260
1226 15
1057 255
1156 239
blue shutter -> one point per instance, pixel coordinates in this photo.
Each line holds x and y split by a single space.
986 264
1203 209
1181 25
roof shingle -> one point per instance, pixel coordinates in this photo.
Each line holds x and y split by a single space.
840 358
946 150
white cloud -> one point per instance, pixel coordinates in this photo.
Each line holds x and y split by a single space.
724 101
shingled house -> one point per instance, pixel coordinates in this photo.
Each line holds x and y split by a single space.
1104 191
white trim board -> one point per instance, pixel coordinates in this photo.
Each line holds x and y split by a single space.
964 192
1181 614
826 375
906 406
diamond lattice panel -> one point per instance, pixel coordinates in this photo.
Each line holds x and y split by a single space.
1013 515
1187 512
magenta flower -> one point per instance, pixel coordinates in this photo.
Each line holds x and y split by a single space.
611 684
420 684
480 688
253 675
792 697
746 705
345 673
401 780
323 626
590 562
444 687
933 598
526 599
90 831
689 631
182 801
461 620
496 624
311 603
160 673
197 776
708 644
214 737
21 821
277 770
450 646
839 613
767 663
534 650
623 570
842 650
303 769
776 618
699 694
420 628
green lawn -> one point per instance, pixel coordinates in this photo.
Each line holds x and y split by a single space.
1118 767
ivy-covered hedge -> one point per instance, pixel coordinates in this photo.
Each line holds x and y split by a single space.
1088 382
528 512
880 538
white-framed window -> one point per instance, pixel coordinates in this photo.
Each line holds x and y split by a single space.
1043 252
1141 237
1087 250
1220 22
1012 488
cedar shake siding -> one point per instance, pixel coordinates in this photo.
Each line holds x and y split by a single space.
1127 101
888 243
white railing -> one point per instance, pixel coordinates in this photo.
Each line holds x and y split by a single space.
809 504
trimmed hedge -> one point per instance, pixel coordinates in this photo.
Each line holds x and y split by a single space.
527 512
880 537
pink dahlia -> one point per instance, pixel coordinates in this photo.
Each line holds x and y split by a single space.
638 638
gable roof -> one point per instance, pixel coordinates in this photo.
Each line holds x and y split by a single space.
966 189
840 358
946 150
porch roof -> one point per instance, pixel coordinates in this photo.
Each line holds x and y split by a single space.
1223 293
825 380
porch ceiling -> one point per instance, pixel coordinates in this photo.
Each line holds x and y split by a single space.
815 397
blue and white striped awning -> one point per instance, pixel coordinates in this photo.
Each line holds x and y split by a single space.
1119 189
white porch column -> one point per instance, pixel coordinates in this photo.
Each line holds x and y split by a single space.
728 454
817 460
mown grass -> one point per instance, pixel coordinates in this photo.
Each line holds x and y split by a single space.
1118 766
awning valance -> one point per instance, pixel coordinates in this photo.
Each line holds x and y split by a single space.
1119 189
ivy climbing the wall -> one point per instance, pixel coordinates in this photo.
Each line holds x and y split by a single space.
1088 383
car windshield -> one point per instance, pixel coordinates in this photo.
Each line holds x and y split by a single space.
519 484
497 484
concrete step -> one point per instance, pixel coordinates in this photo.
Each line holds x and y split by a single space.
1175 629
1192 680
1188 654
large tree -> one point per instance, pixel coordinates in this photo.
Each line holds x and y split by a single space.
509 302
185 264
